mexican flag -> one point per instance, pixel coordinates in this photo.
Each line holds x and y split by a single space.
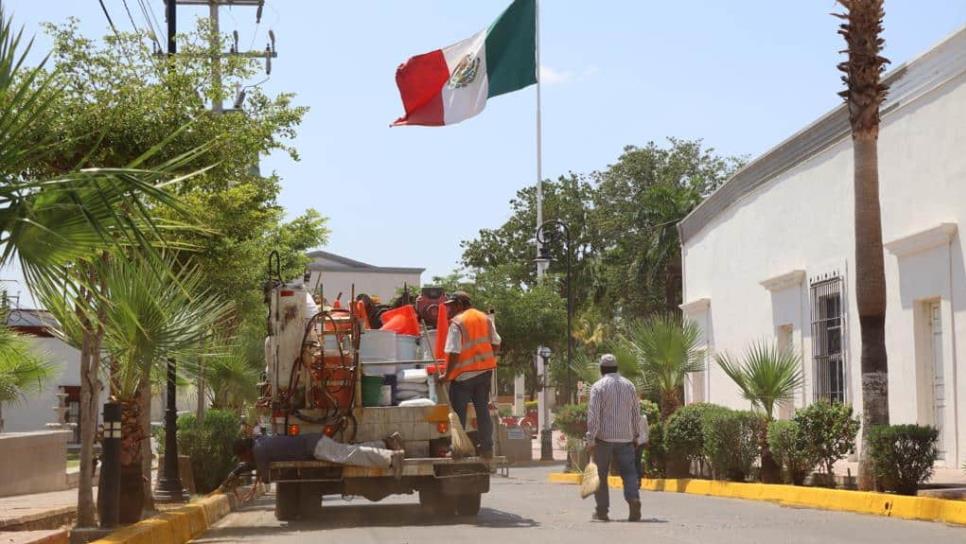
446 86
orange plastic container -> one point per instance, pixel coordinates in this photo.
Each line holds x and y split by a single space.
402 320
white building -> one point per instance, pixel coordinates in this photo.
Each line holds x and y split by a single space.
334 274
770 255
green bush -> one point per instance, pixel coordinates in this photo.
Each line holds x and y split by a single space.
791 451
531 406
209 445
684 437
903 456
571 420
731 441
829 430
655 454
651 410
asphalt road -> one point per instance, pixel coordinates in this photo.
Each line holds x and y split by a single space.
525 509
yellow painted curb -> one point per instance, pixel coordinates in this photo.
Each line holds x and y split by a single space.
175 526
862 502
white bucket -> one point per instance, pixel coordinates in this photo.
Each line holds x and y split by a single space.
405 347
385 396
369 368
376 345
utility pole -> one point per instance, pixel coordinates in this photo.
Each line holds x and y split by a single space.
217 87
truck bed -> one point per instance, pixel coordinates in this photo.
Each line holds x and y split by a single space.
413 467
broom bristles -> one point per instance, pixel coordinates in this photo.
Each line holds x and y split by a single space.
462 445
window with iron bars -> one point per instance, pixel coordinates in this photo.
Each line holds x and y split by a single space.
828 354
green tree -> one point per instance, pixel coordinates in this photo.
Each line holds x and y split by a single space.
59 215
667 350
864 94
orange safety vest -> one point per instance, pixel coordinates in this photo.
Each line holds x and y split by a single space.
476 353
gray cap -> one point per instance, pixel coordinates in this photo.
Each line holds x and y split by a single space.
608 360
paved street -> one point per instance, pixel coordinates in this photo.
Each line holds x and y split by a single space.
525 509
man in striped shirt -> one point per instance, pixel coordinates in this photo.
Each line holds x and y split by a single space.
613 423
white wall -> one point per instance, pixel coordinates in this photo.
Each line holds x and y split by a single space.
38 409
802 220
383 284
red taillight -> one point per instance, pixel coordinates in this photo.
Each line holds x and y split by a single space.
286 293
442 427
329 430
293 429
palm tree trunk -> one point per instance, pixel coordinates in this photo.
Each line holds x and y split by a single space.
871 297
132 484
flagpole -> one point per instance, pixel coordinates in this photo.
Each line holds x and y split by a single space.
543 414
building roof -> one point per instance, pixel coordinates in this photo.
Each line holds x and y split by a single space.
909 81
29 321
330 262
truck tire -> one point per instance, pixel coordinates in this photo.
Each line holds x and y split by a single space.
286 501
436 504
310 500
468 505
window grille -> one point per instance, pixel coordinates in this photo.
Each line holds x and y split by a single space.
828 345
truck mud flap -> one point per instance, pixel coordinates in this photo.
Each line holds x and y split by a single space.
463 479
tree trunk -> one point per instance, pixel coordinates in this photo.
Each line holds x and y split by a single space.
88 427
871 296
673 283
132 485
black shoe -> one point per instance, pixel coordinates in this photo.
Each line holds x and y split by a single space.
635 511
600 516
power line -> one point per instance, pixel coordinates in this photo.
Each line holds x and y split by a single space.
109 20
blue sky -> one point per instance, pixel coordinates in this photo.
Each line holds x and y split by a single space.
741 74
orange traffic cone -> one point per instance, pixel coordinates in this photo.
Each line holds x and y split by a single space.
402 320
442 328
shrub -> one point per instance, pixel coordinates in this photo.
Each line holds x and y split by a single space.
531 406
684 437
572 420
655 454
829 430
651 410
209 445
791 451
903 456
731 442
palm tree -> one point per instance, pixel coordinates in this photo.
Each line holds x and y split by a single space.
666 349
65 224
767 376
152 316
22 371
864 94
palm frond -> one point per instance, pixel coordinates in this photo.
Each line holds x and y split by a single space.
667 350
768 375
22 370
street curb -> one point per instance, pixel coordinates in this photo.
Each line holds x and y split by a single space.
861 502
176 526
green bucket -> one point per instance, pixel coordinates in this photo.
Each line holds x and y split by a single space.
371 390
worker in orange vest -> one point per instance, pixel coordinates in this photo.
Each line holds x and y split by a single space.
472 344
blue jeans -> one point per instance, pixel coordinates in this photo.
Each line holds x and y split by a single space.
623 455
477 391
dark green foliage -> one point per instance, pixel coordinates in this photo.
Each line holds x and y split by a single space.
655 454
731 442
830 431
684 437
903 456
791 451
209 445
571 419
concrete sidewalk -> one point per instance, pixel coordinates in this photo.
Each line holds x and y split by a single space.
38 511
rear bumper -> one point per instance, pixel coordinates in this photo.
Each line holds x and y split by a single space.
436 468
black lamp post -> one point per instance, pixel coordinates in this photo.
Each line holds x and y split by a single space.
546 435
542 232
169 484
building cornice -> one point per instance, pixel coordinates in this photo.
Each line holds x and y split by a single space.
784 281
696 306
923 240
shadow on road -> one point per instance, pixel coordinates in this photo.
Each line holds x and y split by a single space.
336 514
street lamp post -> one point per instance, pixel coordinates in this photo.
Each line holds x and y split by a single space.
545 255
169 484
546 435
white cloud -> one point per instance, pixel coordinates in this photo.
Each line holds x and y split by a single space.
549 76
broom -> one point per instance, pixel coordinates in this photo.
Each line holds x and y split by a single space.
460 442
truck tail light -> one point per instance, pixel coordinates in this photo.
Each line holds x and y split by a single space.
329 430
293 429
442 427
